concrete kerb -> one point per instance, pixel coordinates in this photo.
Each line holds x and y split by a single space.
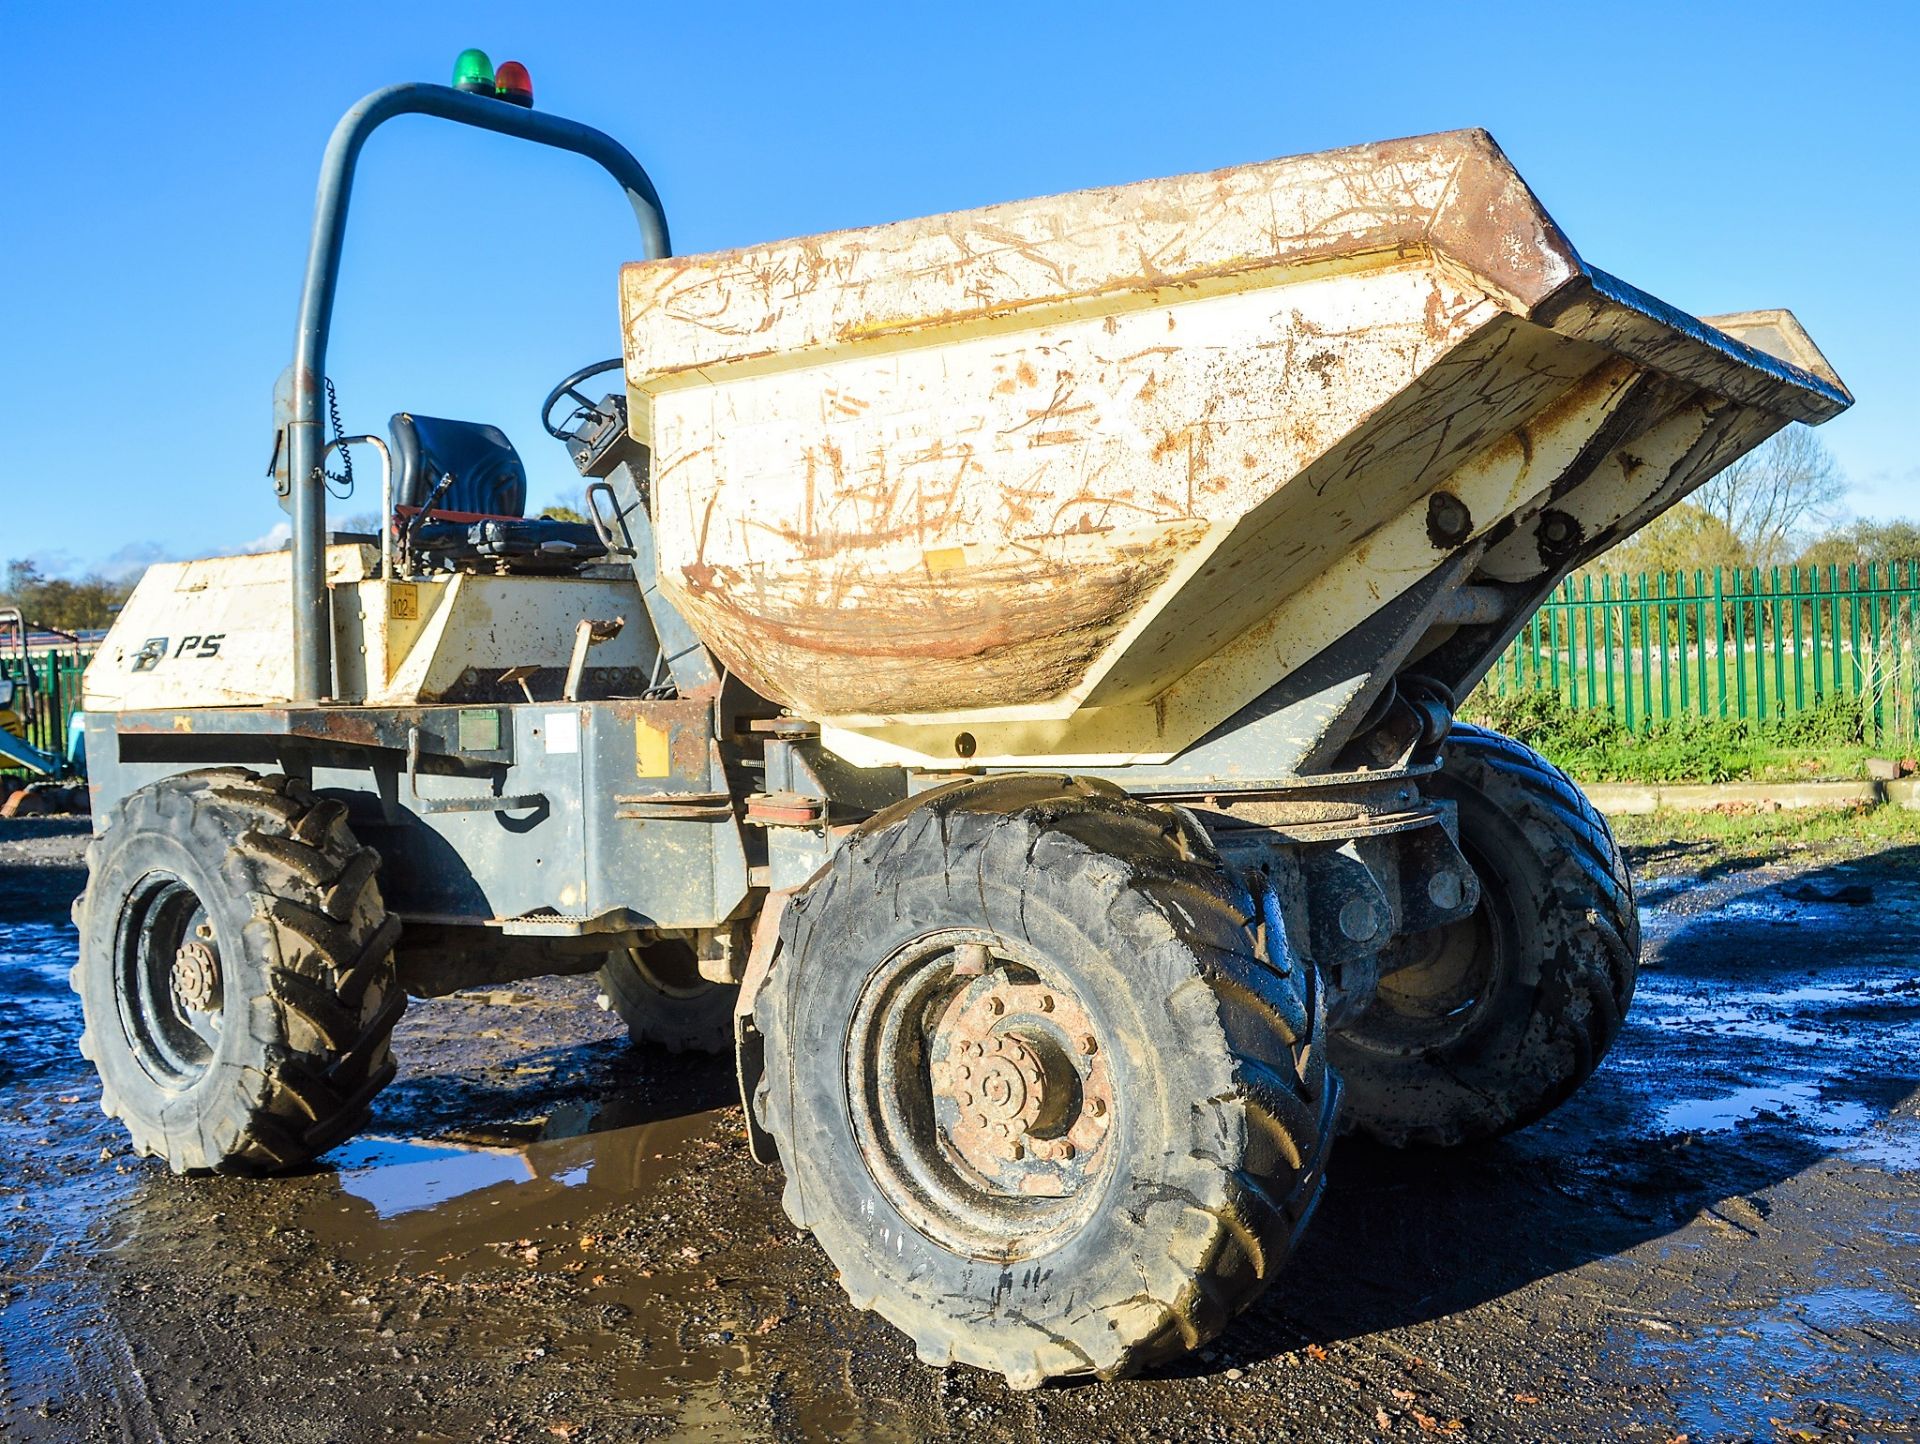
1623 799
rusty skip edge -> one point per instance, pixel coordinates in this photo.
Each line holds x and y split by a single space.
1485 221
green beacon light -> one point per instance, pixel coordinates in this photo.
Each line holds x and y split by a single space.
473 73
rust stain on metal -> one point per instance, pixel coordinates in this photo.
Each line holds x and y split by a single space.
1028 1097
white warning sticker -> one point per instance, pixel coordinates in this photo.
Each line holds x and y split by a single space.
563 732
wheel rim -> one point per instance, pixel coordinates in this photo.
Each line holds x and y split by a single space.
1437 987
981 1096
168 980
670 968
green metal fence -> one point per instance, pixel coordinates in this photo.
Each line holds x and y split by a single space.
1758 643
56 694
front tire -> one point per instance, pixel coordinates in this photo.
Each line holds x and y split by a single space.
1485 1025
1041 1096
236 972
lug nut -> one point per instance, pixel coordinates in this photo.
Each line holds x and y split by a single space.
1097 1107
1063 1151
1086 1045
1046 1002
995 1007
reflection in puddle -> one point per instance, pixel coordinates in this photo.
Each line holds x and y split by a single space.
1892 1145
1756 1373
459 1199
475 1233
1715 1115
1853 1129
397 1176
39 1014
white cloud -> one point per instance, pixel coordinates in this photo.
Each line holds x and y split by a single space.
129 561
271 540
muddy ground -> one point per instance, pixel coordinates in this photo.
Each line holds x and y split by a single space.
551 1235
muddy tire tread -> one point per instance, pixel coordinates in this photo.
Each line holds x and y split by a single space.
1152 864
1587 974
700 1023
320 1030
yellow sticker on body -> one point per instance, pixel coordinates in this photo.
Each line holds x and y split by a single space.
652 750
403 602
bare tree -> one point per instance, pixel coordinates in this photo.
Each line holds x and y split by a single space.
1772 494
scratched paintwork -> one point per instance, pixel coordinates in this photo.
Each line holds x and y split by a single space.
1082 476
394 643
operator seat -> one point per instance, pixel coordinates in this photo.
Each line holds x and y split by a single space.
478 521
488 477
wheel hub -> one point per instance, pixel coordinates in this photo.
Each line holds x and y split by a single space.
196 975
1021 1088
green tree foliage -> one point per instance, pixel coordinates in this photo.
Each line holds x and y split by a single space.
1681 539
57 602
1863 541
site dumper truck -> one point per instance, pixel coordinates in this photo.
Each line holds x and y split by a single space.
1005 694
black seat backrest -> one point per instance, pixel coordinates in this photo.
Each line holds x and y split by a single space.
487 475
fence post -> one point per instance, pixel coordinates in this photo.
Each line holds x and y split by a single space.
1586 624
1627 642
1719 636
1553 640
1853 630
1686 650
1733 618
1606 632
1646 653
1836 632
1660 608
1876 679
1779 655
1793 589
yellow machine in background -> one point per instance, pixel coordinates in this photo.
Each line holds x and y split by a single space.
20 702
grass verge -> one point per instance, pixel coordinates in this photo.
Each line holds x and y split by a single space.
1827 741
1660 843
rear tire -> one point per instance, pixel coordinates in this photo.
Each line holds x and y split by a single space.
1061 932
659 994
235 972
1486 1025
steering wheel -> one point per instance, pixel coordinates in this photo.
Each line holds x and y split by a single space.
570 388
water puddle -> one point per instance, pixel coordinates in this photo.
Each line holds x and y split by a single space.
398 1176
1716 1115
1827 1359
1891 1144
458 1203
583 1223
1799 1015
39 1014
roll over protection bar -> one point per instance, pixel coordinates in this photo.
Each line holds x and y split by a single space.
301 396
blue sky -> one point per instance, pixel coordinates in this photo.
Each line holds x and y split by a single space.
159 165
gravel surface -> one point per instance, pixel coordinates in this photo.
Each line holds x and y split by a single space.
549 1234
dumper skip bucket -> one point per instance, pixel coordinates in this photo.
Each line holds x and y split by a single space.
1077 479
